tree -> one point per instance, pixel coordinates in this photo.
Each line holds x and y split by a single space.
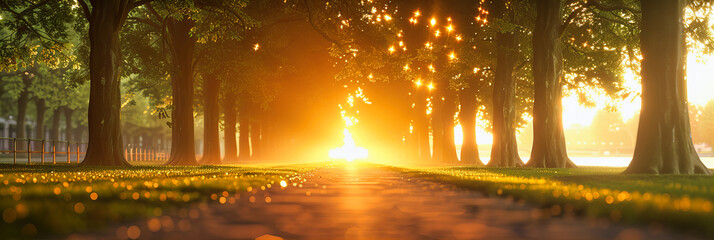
612 23
181 48
106 19
549 143
229 127
467 118
187 32
22 101
664 144
504 150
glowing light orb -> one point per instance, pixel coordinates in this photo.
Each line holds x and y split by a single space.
349 151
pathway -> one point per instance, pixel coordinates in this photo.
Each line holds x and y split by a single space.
355 201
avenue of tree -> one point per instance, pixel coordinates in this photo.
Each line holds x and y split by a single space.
411 71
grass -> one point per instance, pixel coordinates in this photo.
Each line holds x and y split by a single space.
679 202
55 200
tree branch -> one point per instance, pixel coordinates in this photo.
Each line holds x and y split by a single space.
147 22
324 35
33 7
596 5
85 9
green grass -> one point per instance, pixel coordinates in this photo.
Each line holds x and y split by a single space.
54 200
679 202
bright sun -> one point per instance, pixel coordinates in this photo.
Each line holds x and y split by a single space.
349 151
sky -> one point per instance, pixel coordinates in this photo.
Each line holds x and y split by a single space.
700 86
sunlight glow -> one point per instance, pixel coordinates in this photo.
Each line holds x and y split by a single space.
482 136
349 151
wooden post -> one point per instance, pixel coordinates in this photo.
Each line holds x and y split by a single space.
54 154
77 152
68 155
43 151
29 151
14 151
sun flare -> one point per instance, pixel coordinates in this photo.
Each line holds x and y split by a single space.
349 151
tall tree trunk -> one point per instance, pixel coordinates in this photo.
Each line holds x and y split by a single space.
68 123
449 110
504 150
244 134
268 137
421 125
467 118
56 117
79 133
41 109
229 132
22 102
548 136
664 144
437 125
105 141
211 145
256 141
181 46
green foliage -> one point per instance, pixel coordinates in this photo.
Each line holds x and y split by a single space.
33 31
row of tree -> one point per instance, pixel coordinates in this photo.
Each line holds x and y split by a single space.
225 60
420 62
47 89
523 54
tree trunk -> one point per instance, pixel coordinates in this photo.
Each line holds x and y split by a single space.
22 102
68 123
41 108
211 145
229 132
56 117
449 110
105 141
244 135
256 141
437 125
664 144
421 125
181 46
504 151
548 136
467 118
79 134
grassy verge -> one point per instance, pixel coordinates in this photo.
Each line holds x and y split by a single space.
679 202
52 200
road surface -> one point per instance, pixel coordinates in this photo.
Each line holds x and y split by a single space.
359 201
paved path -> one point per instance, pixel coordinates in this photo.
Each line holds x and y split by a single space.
358 202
